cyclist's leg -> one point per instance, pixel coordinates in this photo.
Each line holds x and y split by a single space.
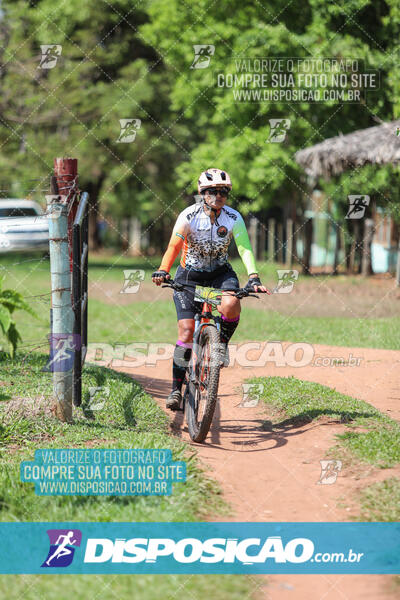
185 310
182 352
230 305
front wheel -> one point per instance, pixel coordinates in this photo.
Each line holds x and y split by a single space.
202 397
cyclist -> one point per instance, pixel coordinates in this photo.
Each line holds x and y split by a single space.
203 232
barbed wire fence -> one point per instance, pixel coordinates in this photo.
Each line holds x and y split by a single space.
58 305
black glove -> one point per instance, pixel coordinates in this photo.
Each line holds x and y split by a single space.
160 274
249 287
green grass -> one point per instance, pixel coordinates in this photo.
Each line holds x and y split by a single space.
381 501
130 419
148 322
122 587
295 402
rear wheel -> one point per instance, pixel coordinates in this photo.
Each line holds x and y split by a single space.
202 396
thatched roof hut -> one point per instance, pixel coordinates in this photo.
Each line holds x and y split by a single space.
375 145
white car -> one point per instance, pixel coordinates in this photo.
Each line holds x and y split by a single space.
23 226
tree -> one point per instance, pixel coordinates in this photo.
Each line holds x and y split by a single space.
106 71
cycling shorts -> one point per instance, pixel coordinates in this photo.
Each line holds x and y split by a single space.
223 278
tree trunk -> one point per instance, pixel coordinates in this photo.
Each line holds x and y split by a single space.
135 231
308 235
261 241
93 190
289 243
354 246
271 240
366 263
337 248
124 234
280 242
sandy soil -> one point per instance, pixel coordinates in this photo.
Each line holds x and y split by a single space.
270 473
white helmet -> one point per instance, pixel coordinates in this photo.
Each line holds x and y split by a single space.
213 178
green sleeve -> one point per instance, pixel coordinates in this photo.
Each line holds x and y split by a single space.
243 245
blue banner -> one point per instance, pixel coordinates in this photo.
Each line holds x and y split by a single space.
194 548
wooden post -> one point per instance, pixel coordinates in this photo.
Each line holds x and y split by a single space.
289 243
62 315
366 267
280 242
271 240
66 174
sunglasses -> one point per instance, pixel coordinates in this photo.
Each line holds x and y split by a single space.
224 191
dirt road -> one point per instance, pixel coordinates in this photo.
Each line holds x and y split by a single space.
271 473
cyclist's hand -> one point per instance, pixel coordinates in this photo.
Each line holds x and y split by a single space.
254 285
158 277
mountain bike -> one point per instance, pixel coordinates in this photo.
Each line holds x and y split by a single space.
202 374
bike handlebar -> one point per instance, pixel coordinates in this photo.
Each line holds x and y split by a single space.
239 293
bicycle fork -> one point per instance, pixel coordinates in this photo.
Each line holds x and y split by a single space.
200 321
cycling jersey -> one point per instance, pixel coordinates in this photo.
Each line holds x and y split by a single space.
204 244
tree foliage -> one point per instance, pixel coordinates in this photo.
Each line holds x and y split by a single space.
124 60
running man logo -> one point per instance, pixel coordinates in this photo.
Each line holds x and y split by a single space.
96 398
54 206
286 279
133 278
279 129
202 55
357 206
251 393
329 471
129 127
63 543
50 54
62 351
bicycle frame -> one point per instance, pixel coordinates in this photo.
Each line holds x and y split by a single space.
203 371
201 320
